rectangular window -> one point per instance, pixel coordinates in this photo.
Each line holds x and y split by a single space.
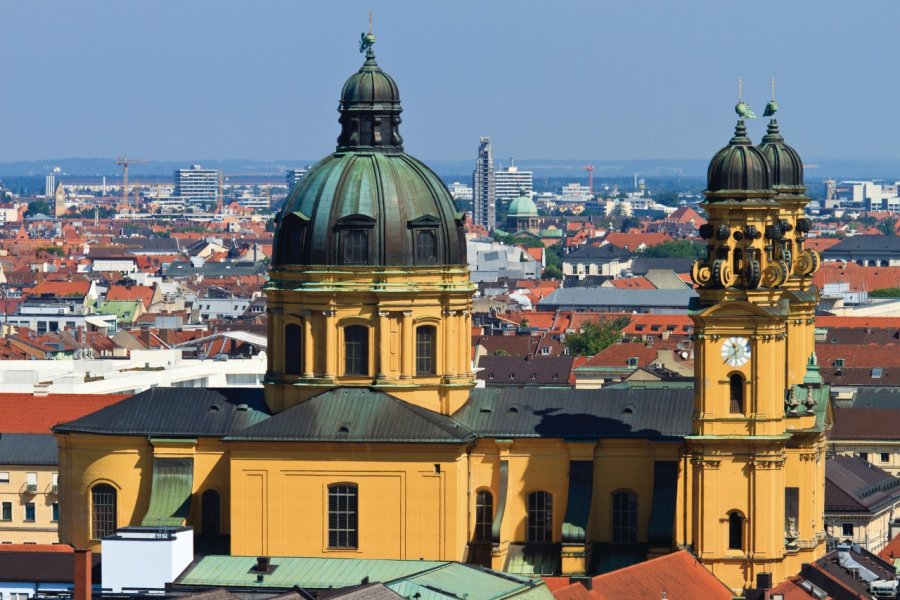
7 512
864 455
356 350
29 512
885 457
54 516
847 530
356 247
343 516
426 337
4 476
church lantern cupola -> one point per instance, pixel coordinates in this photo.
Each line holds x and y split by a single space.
369 283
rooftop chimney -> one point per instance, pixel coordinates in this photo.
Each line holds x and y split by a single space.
82 576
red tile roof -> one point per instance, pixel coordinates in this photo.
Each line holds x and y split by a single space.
130 292
27 413
61 288
821 244
632 241
859 277
617 355
573 591
679 575
645 323
791 590
891 552
865 424
859 322
633 283
36 548
858 355
684 215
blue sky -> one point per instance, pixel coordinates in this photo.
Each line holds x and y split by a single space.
189 79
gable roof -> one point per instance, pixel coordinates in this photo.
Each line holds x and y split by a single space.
130 292
27 413
676 576
176 412
591 252
865 424
853 484
356 415
42 563
518 370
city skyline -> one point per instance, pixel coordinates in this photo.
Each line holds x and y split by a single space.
613 81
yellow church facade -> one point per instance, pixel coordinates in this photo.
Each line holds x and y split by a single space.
370 441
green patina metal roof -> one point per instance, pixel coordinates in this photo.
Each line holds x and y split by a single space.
170 497
578 506
533 559
123 309
551 233
522 206
430 579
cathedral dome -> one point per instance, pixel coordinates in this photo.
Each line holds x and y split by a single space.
785 165
369 203
523 206
739 166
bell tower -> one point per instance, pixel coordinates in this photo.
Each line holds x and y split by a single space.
746 489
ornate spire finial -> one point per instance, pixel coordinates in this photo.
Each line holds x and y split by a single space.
772 106
366 40
743 109
370 33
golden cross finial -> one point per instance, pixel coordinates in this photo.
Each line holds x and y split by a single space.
370 21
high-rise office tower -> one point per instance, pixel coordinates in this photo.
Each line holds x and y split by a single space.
50 185
294 176
197 185
484 186
511 182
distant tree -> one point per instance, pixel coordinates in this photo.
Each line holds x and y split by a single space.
886 226
885 293
629 223
667 198
867 220
37 207
677 249
270 225
552 272
594 337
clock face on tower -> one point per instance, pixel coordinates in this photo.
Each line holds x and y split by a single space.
736 351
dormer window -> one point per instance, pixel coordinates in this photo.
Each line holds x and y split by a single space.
839 362
633 361
426 247
356 246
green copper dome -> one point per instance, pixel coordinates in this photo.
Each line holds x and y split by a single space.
785 165
523 206
739 166
369 203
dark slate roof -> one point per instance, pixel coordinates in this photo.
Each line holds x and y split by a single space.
881 244
853 484
878 397
866 424
28 449
367 416
215 269
522 370
42 567
176 412
591 252
643 264
578 414
600 298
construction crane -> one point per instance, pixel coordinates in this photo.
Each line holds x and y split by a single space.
590 170
124 161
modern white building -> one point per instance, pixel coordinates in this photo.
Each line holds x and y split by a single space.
575 192
294 176
484 187
511 182
197 185
460 191
863 195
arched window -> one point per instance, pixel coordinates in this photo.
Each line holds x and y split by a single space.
484 515
735 531
624 517
736 393
210 513
293 339
426 350
343 516
540 517
356 350
104 514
